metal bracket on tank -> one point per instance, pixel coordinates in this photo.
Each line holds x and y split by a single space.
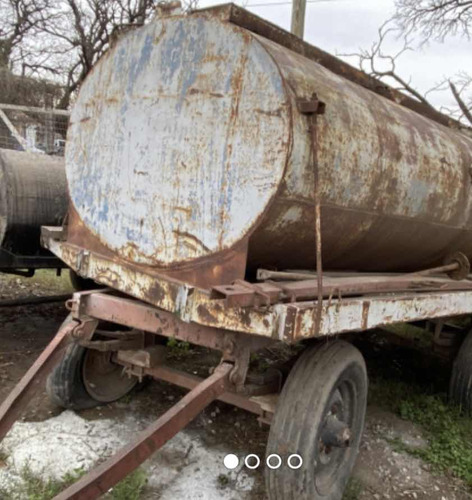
311 106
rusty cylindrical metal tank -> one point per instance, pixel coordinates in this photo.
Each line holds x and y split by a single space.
186 141
33 192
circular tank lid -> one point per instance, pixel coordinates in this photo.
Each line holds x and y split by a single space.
178 140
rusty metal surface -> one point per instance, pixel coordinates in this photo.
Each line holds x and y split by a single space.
186 302
97 482
199 145
193 308
260 294
220 268
237 15
280 322
209 165
395 186
141 316
188 381
357 314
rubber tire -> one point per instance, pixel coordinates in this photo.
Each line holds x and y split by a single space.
460 387
300 410
64 385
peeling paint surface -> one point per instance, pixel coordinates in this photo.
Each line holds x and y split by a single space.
178 141
395 187
186 139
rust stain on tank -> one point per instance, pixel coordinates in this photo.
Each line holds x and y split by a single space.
395 185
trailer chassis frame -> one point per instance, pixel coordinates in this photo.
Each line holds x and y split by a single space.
226 383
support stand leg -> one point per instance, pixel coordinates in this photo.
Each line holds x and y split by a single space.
100 480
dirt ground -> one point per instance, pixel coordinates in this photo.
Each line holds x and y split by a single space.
191 465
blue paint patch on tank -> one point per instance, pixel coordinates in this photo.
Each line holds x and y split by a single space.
103 210
120 59
138 65
172 53
164 168
197 42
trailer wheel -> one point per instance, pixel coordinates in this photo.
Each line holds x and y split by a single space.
85 378
319 416
460 387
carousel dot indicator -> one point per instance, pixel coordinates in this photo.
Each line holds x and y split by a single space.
231 461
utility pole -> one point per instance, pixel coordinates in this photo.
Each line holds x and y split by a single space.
298 17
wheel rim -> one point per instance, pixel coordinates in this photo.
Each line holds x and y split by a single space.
332 454
103 379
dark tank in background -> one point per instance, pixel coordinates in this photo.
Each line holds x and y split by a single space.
33 192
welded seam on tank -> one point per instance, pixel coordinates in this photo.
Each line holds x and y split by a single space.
287 92
234 112
309 202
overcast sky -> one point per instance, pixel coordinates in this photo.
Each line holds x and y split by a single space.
344 26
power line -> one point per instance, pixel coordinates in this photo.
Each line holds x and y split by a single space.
269 4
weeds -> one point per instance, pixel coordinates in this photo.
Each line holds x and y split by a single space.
353 489
131 487
449 433
223 481
177 349
3 457
33 487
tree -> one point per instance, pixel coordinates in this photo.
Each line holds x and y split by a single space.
434 18
19 21
63 39
78 33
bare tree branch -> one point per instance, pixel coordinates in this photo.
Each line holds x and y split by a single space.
466 110
382 66
80 31
18 19
435 18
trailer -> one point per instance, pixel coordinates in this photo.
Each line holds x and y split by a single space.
253 191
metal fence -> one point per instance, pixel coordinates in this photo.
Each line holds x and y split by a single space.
39 130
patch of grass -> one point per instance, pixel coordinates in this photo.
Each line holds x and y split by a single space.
353 489
449 433
223 481
418 336
126 399
42 279
177 348
3 457
33 487
131 487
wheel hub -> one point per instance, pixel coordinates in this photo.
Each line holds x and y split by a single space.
104 380
335 433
